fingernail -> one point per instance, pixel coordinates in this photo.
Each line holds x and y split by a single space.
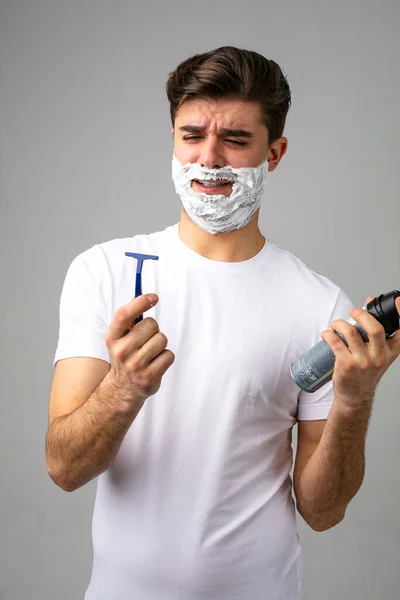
153 299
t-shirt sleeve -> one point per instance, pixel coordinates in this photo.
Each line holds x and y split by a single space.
82 312
317 405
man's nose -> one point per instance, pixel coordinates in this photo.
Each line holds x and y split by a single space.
211 156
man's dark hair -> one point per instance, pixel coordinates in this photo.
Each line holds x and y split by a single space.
233 74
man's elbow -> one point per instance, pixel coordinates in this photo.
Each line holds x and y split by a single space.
60 482
64 485
325 525
323 522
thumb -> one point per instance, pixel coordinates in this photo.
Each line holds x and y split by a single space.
397 302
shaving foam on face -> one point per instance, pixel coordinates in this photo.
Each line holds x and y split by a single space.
217 213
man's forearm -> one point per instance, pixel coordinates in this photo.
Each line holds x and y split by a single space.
335 471
82 444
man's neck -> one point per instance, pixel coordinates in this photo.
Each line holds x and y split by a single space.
233 246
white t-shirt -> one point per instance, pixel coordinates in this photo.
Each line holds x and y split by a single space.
198 504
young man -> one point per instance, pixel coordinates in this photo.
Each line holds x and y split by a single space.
192 443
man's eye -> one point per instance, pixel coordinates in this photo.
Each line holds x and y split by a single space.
237 142
196 137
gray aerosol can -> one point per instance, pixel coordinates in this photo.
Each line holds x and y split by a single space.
315 368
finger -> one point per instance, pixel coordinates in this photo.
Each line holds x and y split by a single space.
394 341
151 349
374 329
336 344
369 299
356 344
162 362
397 302
123 317
143 332
394 344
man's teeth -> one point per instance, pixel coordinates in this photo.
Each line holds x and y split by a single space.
207 183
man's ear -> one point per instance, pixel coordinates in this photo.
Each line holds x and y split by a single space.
276 151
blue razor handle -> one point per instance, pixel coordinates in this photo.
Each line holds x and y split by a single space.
138 287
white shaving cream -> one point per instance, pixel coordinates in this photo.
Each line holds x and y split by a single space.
216 213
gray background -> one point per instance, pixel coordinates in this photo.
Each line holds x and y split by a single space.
85 155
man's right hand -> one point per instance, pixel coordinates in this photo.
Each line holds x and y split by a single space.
138 352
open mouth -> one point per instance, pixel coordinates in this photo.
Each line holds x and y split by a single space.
212 186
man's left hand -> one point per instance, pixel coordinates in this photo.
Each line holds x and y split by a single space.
360 366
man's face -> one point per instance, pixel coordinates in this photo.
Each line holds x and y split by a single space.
217 133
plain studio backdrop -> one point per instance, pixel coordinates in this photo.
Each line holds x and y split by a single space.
85 153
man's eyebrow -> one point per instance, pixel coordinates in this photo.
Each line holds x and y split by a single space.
237 132
225 131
